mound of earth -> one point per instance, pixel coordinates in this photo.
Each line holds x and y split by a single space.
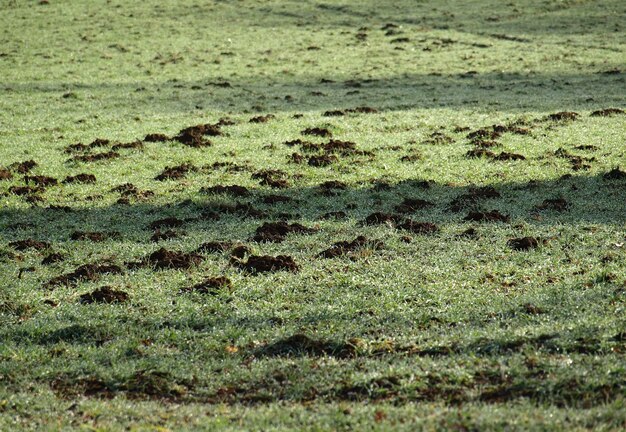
105 294
266 264
277 231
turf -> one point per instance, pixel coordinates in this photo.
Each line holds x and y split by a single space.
442 249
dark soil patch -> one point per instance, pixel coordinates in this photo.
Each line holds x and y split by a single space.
175 172
80 178
563 116
23 167
5 174
300 344
211 286
359 110
241 209
438 138
262 119
96 157
164 235
135 145
87 272
485 144
193 136
272 178
43 181
240 252
317 131
410 205
275 199
505 156
53 258
523 244
322 161
341 147
480 153
22 245
333 185
296 158
615 174
105 294
484 134
164 259
472 197
92 236
266 263
233 190
607 112
577 162
169 222
469 233
587 147
554 204
419 227
296 142
345 247
25 190
489 216
156 137
378 218
214 247
277 231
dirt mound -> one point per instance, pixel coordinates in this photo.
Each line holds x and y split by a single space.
346 247
136 145
193 136
419 227
615 174
52 259
87 272
156 137
378 218
262 119
300 344
209 286
214 247
358 110
489 216
43 181
480 153
483 134
317 131
105 294
410 205
92 236
341 147
25 190
272 178
523 244
472 197
505 156
22 245
5 174
333 184
164 259
554 204
275 199
80 178
159 235
175 172
233 190
277 231
23 167
96 157
266 263
562 116
322 161
607 112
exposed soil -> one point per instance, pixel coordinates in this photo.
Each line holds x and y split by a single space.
317 131
300 344
296 158
483 134
22 245
472 197
53 258
104 294
296 142
25 190
277 231
489 216
214 247
23 167
322 161
164 259
164 235
240 252
266 263
262 119
43 181
359 110
419 227
233 190
5 174
135 145
175 172
615 174
345 247
96 157
378 218
505 156
209 286
554 204
563 116
80 178
410 205
87 272
272 178
587 147
156 137
168 222
523 244
607 112
480 153
193 136
333 185
92 236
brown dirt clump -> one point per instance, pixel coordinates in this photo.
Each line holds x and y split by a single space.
317 131
53 258
96 157
22 245
296 158
379 218
277 231
214 247
262 119
615 174
554 204
300 344
239 252
233 190
506 156
341 147
23 167
480 153
272 178
25 190
587 147
346 247
104 294
209 286
193 136
175 172
266 263
607 112
91 236
488 216
484 133
296 142
135 145
41 180
419 227
410 205
322 161
164 259
169 222
87 272
332 185
5 174
156 137
523 244
80 178
562 116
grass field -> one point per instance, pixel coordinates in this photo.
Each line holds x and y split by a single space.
312 215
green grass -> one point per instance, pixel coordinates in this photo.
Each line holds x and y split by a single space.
430 331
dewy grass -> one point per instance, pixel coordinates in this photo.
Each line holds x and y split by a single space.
446 183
